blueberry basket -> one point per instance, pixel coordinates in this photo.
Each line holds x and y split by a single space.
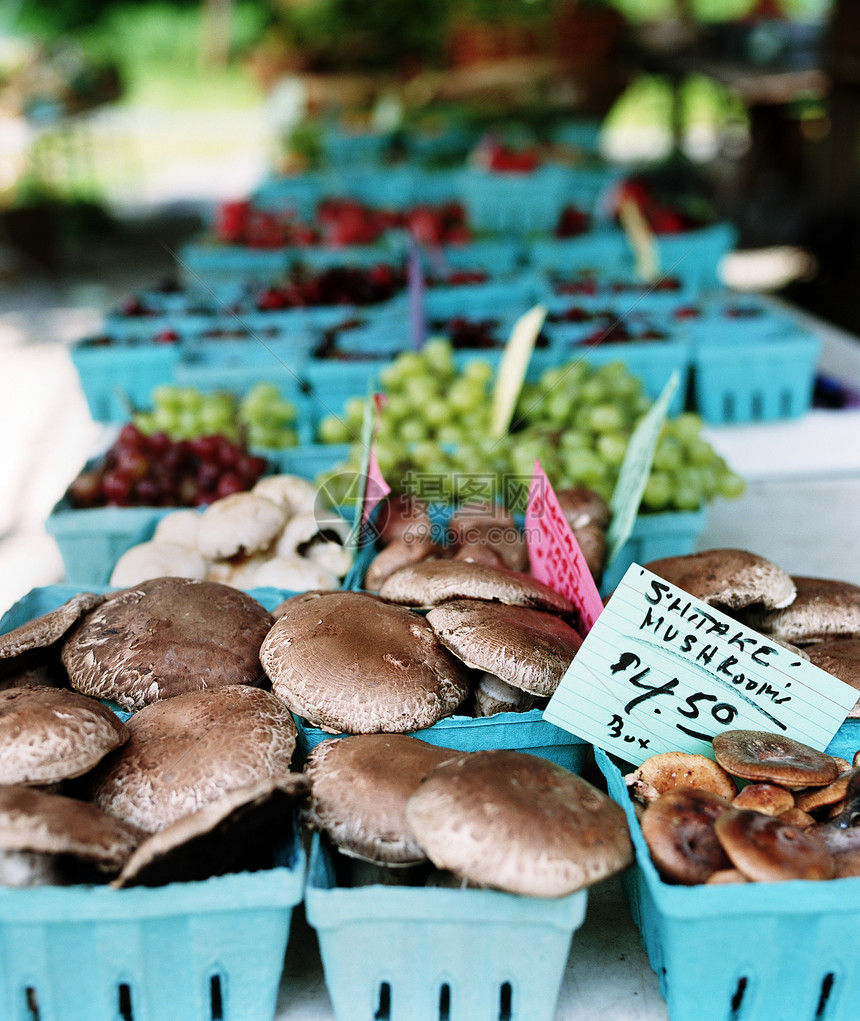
748 951
408 953
204 264
309 460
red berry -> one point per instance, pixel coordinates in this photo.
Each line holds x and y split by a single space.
116 487
228 484
130 436
147 492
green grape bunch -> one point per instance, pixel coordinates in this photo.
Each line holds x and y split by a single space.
575 418
263 418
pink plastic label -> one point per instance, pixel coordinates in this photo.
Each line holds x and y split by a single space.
555 557
376 488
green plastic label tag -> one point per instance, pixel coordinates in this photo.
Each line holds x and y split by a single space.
661 671
512 370
635 469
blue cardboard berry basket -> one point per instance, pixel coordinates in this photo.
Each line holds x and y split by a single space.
116 378
518 203
665 534
763 380
92 540
309 460
203 263
522 732
493 256
653 361
195 951
744 952
411 953
297 193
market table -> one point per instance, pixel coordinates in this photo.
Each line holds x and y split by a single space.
800 509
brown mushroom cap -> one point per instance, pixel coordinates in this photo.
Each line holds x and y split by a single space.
722 877
218 838
731 578
823 609
189 750
508 545
679 830
840 657
437 581
34 820
592 541
846 865
164 637
832 794
396 554
520 823
359 789
486 526
769 850
51 734
400 515
30 652
661 772
796 817
47 628
582 506
352 663
478 553
530 649
767 798
759 755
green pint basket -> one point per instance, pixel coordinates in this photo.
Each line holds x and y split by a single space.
415 953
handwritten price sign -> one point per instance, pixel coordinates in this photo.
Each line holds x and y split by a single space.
661 671
555 557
